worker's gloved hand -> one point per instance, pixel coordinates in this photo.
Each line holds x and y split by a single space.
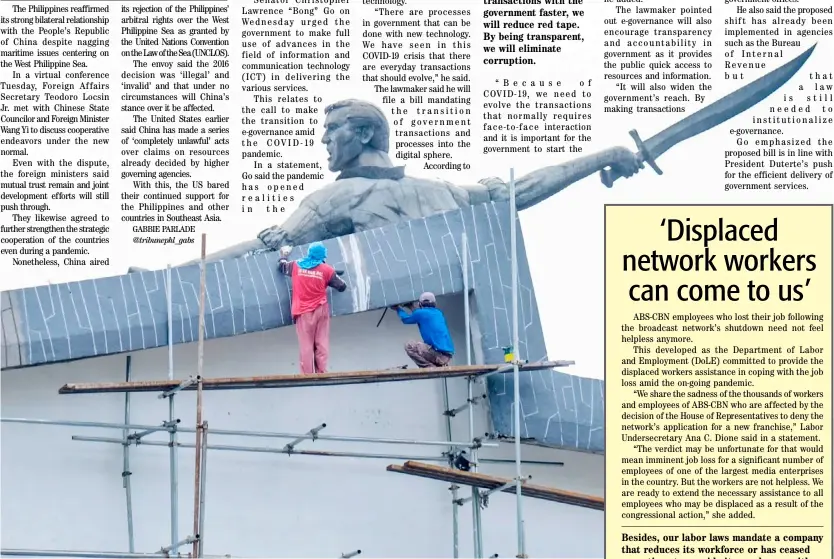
394 307
285 251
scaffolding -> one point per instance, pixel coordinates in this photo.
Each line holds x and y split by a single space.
134 434
494 484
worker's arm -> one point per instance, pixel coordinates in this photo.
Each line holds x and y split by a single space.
337 283
412 318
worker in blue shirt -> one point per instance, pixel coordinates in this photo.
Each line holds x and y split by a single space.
436 349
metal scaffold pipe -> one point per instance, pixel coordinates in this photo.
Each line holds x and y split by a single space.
453 488
173 467
258 434
126 473
166 426
477 534
477 537
177 545
464 268
89 554
170 301
173 459
268 450
198 455
134 441
516 374
203 461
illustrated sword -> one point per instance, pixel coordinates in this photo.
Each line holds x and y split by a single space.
710 116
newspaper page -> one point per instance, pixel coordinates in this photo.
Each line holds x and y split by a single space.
657 318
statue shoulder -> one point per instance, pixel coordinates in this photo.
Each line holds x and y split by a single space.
490 189
497 190
340 191
460 194
463 195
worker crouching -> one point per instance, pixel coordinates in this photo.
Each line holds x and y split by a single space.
311 277
436 349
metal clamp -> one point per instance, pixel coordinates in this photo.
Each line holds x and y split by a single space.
520 362
193 379
312 435
168 549
469 402
169 426
484 495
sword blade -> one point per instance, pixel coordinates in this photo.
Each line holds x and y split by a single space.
725 108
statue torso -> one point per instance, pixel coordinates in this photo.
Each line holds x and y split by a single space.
369 203
366 198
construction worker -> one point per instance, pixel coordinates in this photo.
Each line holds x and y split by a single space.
436 349
310 312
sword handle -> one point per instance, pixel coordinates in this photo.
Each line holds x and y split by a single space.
608 176
644 152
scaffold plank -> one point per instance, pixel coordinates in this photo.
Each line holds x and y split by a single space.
488 482
298 380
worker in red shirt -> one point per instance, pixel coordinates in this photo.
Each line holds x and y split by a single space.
310 312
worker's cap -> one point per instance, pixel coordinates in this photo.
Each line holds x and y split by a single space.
317 251
427 297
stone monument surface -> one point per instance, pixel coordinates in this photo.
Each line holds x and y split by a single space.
382 267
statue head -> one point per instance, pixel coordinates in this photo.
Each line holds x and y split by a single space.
351 128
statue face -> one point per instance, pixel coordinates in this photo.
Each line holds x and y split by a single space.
344 143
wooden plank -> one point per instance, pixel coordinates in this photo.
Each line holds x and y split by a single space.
485 481
298 380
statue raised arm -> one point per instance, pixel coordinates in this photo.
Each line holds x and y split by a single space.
371 192
535 187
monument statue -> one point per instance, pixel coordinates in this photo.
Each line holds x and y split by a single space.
371 192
